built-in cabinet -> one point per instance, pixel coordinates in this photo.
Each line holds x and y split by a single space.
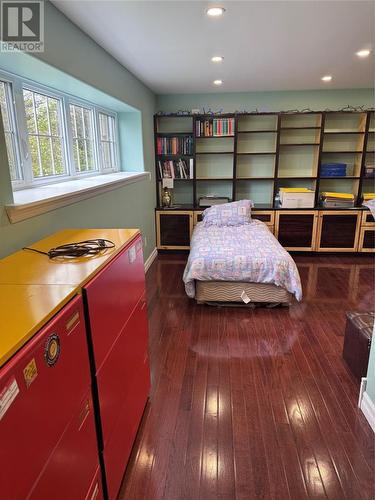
297 230
174 229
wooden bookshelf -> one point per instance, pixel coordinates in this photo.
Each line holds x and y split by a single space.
266 151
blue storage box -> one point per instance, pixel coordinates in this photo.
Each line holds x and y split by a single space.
333 169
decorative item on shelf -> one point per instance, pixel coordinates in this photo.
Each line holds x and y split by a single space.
369 170
332 199
166 199
296 197
209 200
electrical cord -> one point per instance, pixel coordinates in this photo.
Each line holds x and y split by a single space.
78 249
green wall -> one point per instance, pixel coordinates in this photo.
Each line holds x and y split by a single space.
72 52
267 101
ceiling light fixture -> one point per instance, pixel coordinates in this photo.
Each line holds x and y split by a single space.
217 58
327 78
363 53
215 11
218 82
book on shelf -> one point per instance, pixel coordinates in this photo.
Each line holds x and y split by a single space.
332 199
174 145
176 169
214 127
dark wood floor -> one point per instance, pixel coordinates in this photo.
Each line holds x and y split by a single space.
253 404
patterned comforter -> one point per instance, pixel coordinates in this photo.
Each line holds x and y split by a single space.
247 253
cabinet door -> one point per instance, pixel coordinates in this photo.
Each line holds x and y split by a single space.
173 229
338 231
368 219
367 240
296 230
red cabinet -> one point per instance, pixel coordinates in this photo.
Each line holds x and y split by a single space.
41 389
118 341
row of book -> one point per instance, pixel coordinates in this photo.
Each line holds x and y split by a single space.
214 127
174 145
176 169
332 199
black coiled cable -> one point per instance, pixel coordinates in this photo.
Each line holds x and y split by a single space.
78 249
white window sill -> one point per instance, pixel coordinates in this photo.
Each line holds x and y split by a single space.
38 200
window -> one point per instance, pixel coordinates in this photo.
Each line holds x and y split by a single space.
46 140
81 122
9 129
62 137
108 143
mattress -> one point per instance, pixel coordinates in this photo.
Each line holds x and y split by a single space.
247 253
227 291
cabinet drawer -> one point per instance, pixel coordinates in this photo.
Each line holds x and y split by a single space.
268 217
111 297
69 471
116 454
47 380
121 368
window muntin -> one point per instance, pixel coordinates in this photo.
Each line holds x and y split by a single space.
45 134
10 130
82 126
108 142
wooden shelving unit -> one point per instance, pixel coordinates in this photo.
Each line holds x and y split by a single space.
267 151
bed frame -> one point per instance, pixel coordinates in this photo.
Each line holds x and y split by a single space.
216 292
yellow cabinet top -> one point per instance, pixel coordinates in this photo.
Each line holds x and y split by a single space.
30 268
24 309
33 287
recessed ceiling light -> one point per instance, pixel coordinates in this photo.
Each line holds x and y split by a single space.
327 78
217 58
218 82
215 11
363 53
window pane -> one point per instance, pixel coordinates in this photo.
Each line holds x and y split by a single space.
29 108
41 114
34 152
107 126
53 116
45 134
58 156
4 107
104 132
83 138
11 158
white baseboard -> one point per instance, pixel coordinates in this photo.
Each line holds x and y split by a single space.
151 259
368 409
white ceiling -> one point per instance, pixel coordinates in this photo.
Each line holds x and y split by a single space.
267 45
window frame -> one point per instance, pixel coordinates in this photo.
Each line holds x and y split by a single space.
24 165
10 102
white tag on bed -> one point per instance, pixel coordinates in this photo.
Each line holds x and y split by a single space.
245 297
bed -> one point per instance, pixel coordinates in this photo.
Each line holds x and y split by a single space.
240 264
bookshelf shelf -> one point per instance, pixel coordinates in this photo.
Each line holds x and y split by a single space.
257 153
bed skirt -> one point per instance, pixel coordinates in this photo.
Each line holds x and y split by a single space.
230 291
